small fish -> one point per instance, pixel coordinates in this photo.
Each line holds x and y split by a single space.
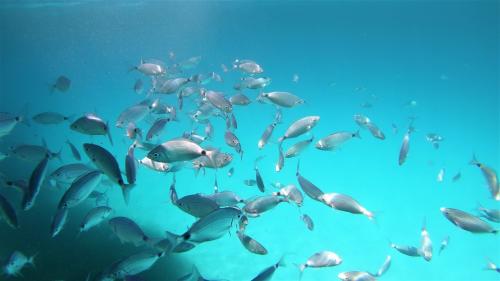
299 127
16 262
133 132
308 221
35 183
127 231
255 83
251 244
8 122
80 189
149 68
250 182
366 123
234 122
283 99
130 166
33 153
434 139
58 221
394 128
356 276
407 250
138 86
225 198
345 203
258 180
444 244
335 140
308 187
156 128
456 177
95 217
281 160
440 175
292 193
383 269
491 178
425 244
218 100
489 214
209 130
133 265
153 165
91 124
467 221
66 174
239 99
8 213
297 148
74 151
230 172
61 84
50 118
233 141
248 66
196 205
178 150
321 259
405 147
134 114
295 78
492 266
266 135
268 272
242 223
261 204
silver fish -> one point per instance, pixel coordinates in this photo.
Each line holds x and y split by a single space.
385 266
261 204
169 86
130 166
8 213
48 118
308 221
8 122
94 217
297 148
233 141
58 221
292 193
335 140
196 205
239 99
255 83
456 177
308 187
444 244
467 221
209 130
268 272
258 180
138 86
266 135
356 276
66 174
491 266
80 189
225 198
251 244
489 214
407 250
491 178
134 264
425 244
321 259
127 231
250 182
61 84
218 100
91 124
440 175
178 150
74 151
133 114
405 147
133 131
230 172
153 165
300 127
35 183
149 68
283 99
248 66
281 160
33 153
16 262
345 203
212 226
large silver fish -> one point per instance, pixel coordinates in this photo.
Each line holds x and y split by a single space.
178 150
299 127
80 189
467 221
91 124
35 183
283 99
335 140
491 178
345 203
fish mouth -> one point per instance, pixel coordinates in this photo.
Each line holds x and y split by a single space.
442 209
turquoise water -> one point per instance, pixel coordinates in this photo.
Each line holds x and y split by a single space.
443 55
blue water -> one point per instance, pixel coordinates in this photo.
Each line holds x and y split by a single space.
442 54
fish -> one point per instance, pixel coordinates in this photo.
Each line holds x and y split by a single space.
233 141
456 177
489 214
467 221
444 244
292 193
335 140
268 272
134 264
281 160
196 205
16 262
8 213
405 148
266 135
230 172
434 139
133 114
295 78
251 244
297 148
189 63
107 164
367 123
74 151
320 259
345 203
242 223
234 122
153 165
255 207
440 175
50 118
491 266
407 250
212 226
149 68
209 130
61 84
133 132
128 231
91 124
283 99
66 174
247 66
356 276
491 178
130 166
250 182
168 86
258 180
33 153
138 86
95 217
308 187
218 100
225 198
178 150
255 83
308 221
219 160
425 244
299 127
383 269
35 183
9 121
58 221
80 189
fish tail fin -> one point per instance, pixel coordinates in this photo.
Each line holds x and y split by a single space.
474 161
70 118
357 135
109 133
297 173
281 139
126 192
58 155
23 117
490 265
31 260
301 268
